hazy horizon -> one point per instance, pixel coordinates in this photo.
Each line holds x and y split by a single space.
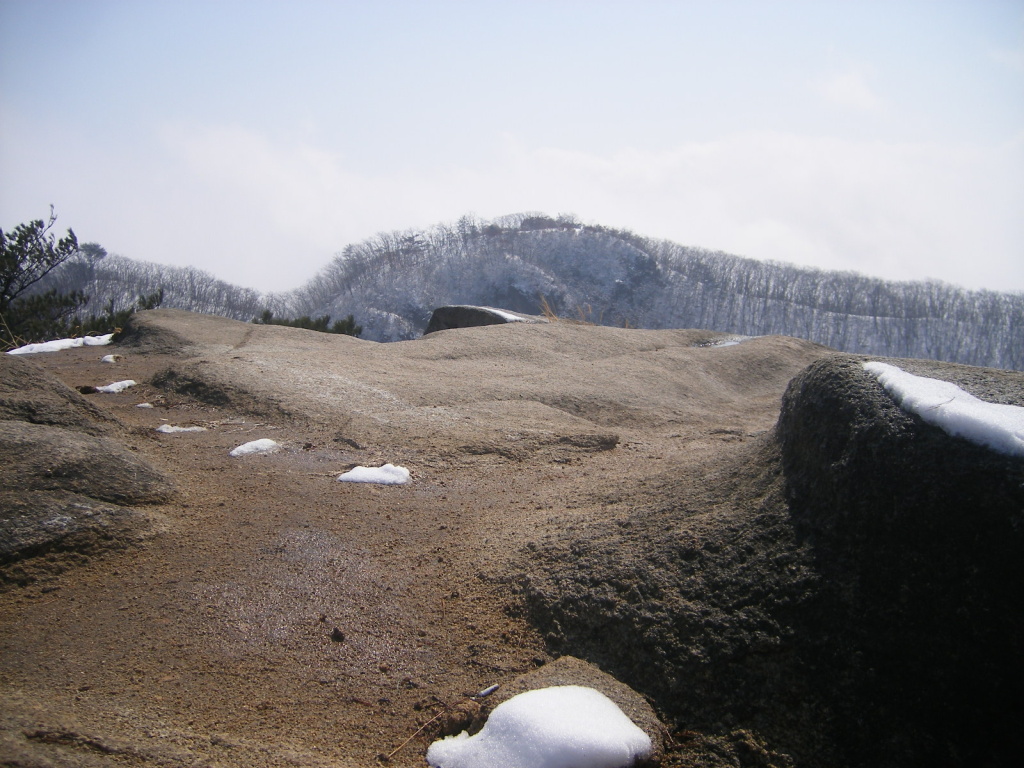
255 140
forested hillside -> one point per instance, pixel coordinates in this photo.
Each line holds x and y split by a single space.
114 283
392 282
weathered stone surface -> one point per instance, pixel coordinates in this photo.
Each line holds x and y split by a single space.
696 602
833 592
34 524
918 538
64 477
28 393
465 316
35 457
141 335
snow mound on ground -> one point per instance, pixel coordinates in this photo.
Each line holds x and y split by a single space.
389 474
560 727
58 344
958 413
117 386
170 429
265 445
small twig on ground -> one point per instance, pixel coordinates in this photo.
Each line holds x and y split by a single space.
419 730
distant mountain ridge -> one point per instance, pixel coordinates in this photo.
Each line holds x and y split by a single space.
533 263
393 281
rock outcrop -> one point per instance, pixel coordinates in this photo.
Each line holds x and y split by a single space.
29 394
66 483
42 458
833 583
465 316
847 592
917 537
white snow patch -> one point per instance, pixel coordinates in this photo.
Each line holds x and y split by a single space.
110 358
508 317
560 727
732 341
145 405
389 474
265 445
170 429
58 344
942 403
117 386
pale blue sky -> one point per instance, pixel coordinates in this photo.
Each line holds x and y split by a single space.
256 139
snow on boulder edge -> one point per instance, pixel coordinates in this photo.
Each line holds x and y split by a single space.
468 316
916 535
958 413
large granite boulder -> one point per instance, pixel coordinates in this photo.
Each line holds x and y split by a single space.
846 592
465 316
918 538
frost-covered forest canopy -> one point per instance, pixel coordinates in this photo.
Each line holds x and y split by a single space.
392 282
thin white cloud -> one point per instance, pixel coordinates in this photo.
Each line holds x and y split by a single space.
897 210
850 90
1011 59
902 211
268 213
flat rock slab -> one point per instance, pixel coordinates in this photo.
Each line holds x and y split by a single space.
487 384
220 637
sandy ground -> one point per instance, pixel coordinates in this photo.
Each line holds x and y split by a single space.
284 618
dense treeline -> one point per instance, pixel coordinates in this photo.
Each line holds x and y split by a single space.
393 281
346 325
114 283
34 304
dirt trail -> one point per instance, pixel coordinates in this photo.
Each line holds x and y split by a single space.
212 643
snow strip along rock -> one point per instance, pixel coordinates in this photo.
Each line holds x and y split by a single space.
467 316
958 413
117 387
917 536
61 344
